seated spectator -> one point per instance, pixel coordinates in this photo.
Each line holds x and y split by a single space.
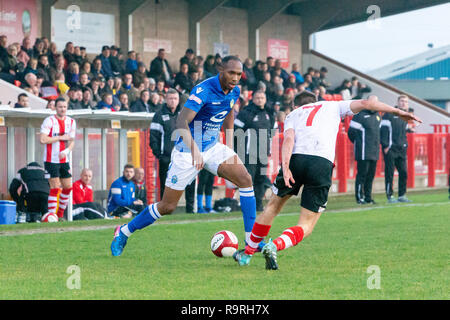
151 85
106 69
84 80
155 101
344 90
22 101
121 198
141 190
142 104
52 54
30 190
115 62
128 88
123 99
296 72
358 89
117 85
131 65
250 78
95 88
51 105
69 53
107 102
139 75
31 67
84 207
108 86
209 68
160 68
86 68
73 74
30 82
323 74
86 102
194 79
96 69
44 69
60 83
59 67
161 87
75 96
189 59
182 81
292 82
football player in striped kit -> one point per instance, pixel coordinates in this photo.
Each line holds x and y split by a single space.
58 135
308 152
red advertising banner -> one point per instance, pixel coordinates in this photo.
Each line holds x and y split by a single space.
17 19
279 49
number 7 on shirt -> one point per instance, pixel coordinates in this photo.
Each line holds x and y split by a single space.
312 114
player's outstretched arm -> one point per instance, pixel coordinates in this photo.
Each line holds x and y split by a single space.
182 128
374 104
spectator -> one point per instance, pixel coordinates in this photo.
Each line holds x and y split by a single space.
161 87
22 101
189 59
208 67
59 68
108 86
358 89
51 105
123 99
364 133
77 55
194 79
44 69
141 190
292 82
75 96
83 54
323 75
69 53
250 78
96 68
87 102
3 49
139 75
278 70
155 101
84 207
30 82
128 88
344 90
182 81
84 81
131 64
142 104
217 63
106 69
151 85
107 102
73 74
95 88
52 54
31 67
160 68
30 190
86 68
116 65
121 198
296 72
60 83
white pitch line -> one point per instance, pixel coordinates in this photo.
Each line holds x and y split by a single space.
95 228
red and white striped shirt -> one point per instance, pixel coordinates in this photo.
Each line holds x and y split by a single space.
53 127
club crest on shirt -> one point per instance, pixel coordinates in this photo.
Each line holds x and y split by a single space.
231 103
174 179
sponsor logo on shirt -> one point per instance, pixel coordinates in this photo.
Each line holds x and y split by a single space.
195 98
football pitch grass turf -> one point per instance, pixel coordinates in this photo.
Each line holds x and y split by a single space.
407 243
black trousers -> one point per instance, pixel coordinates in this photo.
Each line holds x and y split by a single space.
88 210
258 172
205 183
364 179
189 193
395 160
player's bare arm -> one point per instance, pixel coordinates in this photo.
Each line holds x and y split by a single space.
45 139
286 153
182 126
375 105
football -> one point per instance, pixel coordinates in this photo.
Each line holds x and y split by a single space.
224 243
49 217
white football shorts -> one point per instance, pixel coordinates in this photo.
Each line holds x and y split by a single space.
182 172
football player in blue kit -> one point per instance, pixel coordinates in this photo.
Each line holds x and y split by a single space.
209 106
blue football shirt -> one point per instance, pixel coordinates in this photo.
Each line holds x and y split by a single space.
212 106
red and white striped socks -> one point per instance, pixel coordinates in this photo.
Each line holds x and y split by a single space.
53 200
259 232
63 201
289 238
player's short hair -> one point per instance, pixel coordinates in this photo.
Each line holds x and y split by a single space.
128 166
304 98
59 100
226 59
402 96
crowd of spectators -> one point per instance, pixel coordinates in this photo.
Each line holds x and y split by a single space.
120 81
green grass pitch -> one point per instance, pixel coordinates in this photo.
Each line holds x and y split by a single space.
407 243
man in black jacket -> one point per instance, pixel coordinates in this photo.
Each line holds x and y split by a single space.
30 190
160 68
258 122
142 104
364 133
394 144
161 142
